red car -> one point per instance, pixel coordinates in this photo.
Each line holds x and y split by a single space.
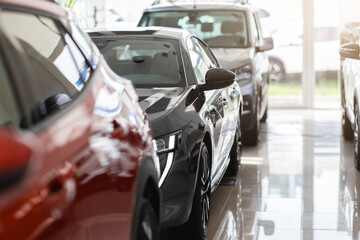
77 159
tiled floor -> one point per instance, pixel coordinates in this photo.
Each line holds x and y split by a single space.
298 183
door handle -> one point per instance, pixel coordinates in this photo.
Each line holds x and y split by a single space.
61 188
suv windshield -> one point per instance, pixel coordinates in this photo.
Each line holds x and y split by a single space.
222 29
144 61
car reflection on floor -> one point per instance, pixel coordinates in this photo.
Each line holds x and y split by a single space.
299 183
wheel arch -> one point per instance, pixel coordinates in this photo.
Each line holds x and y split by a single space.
147 188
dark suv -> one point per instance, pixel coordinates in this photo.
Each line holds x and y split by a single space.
233 32
192 106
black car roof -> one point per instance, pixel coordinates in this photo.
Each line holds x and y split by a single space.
188 6
163 32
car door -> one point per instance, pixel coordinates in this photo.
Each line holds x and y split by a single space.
214 101
73 193
230 103
261 62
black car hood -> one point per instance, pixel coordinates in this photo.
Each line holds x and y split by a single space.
157 102
232 58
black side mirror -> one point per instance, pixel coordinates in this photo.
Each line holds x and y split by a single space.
217 78
267 45
350 50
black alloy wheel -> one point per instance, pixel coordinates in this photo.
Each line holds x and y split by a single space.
347 130
197 226
235 156
148 227
356 139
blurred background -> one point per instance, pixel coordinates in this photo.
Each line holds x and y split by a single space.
300 78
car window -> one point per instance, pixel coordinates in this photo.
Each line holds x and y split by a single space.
58 74
255 29
79 59
199 64
9 112
144 61
263 13
83 41
218 28
208 56
258 26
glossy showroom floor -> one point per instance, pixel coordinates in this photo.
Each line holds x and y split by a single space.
299 183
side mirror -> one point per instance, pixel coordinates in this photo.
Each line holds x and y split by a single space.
217 78
267 45
350 50
14 160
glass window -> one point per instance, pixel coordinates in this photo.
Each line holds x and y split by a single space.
55 75
83 41
255 29
144 61
208 56
199 64
9 113
258 26
225 29
79 60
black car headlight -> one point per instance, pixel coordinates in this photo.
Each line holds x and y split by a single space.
243 73
166 147
168 143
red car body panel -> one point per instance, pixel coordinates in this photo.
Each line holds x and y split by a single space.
75 185
82 166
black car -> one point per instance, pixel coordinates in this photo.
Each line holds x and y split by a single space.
192 106
233 32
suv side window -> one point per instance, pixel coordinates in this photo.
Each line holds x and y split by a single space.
199 64
258 26
57 69
255 29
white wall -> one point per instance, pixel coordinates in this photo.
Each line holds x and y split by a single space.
349 11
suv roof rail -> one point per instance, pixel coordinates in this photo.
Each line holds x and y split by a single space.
156 2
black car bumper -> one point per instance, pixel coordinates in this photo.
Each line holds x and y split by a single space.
177 188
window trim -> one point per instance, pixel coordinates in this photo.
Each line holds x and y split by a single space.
20 83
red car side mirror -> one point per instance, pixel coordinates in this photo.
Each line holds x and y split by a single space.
14 160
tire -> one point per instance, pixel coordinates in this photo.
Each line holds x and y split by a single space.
264 118
252 136
148 226
277 70
197 225
347 130
235 157
356 139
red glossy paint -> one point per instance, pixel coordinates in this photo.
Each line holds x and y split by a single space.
82 168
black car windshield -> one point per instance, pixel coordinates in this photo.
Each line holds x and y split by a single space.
145 61
219 29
